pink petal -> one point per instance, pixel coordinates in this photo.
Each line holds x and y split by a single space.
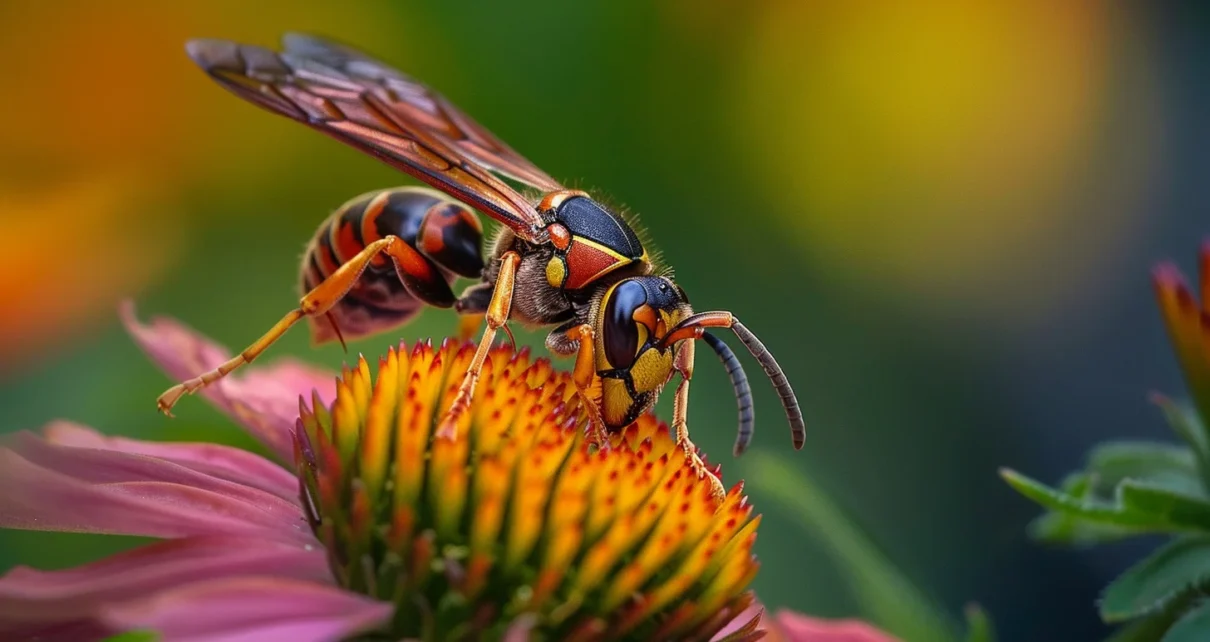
222 462
737 623
263 399
800 628
54 598
253 610
45 486
788 626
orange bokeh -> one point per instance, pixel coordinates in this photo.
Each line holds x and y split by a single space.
106 120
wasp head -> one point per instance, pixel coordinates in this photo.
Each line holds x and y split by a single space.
633 360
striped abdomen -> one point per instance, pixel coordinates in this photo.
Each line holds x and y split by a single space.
447 235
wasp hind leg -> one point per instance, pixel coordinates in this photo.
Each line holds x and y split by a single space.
419 276
496 315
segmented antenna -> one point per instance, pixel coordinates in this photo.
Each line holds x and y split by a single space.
743 391
798 429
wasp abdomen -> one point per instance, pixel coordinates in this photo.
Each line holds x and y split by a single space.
445 239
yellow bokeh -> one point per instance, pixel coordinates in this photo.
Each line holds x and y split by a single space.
938 150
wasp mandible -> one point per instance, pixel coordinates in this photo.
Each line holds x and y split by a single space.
561 258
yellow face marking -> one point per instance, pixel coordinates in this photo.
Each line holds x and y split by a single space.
556 271
615 401
651 369
599 326
643 334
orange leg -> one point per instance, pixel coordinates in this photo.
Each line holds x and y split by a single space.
316 303
582 376
680 414
497 315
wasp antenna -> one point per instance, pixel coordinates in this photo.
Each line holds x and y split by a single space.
743 390
789 401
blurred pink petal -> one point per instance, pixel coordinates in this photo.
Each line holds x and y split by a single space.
800 628
29 596
738 628
55 487
788 626
253 610
223 462
262 399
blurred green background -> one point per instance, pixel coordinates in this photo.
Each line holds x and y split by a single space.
939 215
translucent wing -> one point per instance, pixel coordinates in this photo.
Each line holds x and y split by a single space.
382 112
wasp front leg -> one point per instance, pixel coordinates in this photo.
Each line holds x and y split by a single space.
496 316
417 273
683 364
581 340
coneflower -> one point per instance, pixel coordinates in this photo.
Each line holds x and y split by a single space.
367 527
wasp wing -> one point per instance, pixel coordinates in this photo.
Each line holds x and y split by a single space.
426 108
382 112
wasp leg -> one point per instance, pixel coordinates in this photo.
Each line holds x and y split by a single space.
680 412
497 315
418 276
694 327
583 337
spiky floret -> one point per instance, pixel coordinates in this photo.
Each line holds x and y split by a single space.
1188 323
518 519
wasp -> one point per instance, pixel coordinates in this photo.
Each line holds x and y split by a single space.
560 258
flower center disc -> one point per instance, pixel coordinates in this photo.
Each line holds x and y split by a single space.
517 522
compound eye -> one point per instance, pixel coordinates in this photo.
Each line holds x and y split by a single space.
621 330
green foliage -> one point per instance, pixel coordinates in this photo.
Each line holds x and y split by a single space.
978 625
891 600
1194 626
1178 569
134 636
1132 488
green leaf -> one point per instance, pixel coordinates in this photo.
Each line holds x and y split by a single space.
134 636
978 625
1185 422
1139 507
1194 626
1161 464
1148 629
891 599
1178 510
1154 583
1064 528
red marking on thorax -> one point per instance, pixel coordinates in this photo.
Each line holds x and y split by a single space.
585 263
